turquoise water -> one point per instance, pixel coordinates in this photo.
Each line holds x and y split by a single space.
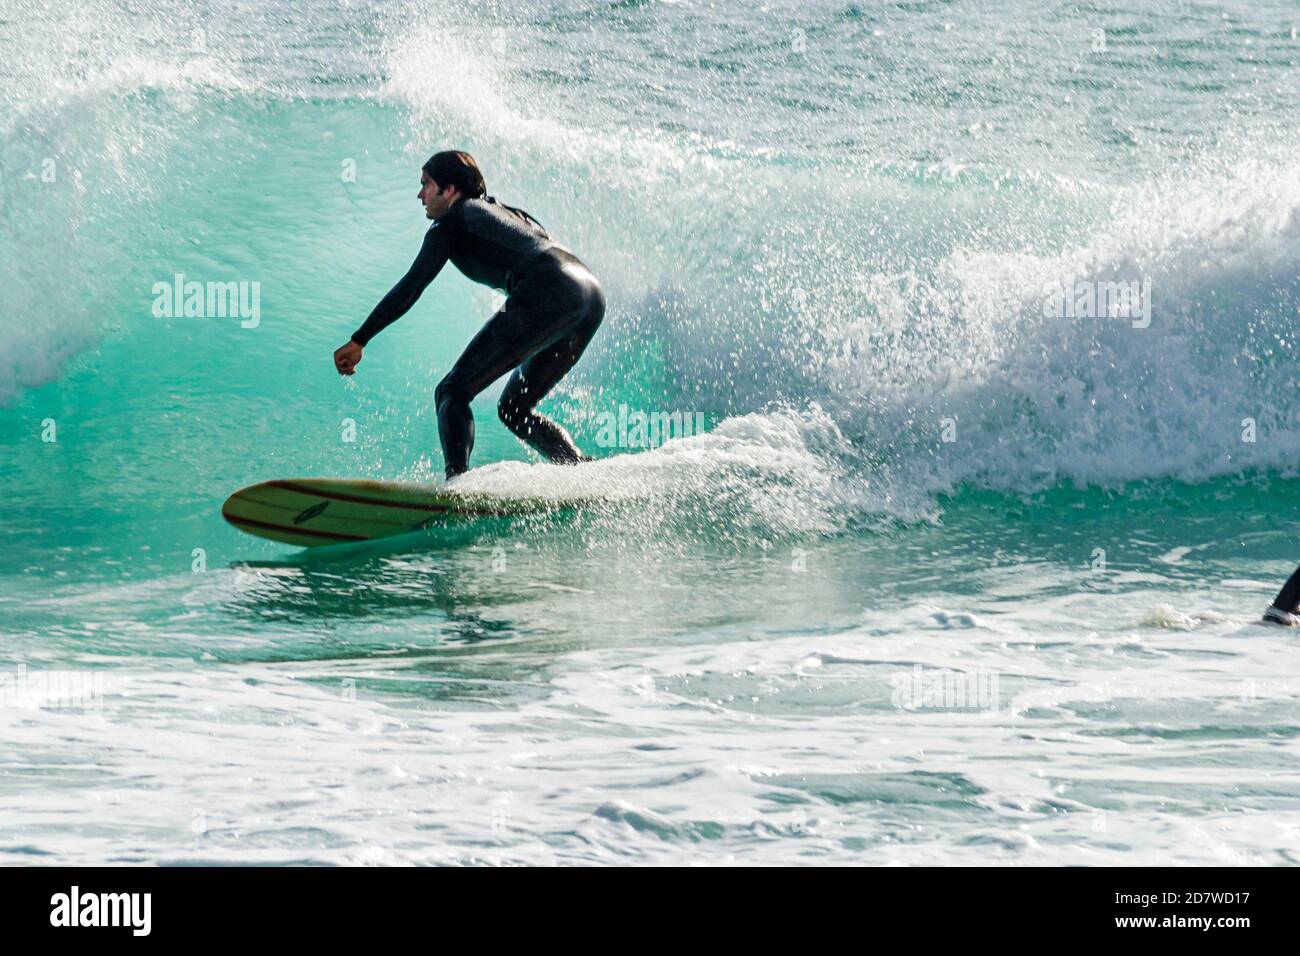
826 229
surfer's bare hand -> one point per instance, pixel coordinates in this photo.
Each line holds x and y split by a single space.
346 358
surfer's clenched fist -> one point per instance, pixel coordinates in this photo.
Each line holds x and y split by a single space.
346 358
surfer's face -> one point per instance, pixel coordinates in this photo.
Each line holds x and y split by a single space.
436 201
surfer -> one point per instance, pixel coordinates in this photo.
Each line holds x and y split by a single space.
1284 606
553 307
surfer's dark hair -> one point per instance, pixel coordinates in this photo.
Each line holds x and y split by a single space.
457 168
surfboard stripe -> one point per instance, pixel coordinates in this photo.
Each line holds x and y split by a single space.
358 499
277 505
304 532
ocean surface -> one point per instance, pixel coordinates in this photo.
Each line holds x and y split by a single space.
949 577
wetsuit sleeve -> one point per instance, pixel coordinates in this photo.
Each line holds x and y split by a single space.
433 256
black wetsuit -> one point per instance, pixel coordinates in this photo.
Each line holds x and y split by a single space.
1288 599
553 307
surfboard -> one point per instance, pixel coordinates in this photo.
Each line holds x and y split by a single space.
312 512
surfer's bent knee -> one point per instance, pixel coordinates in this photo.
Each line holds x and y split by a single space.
509 412
447 389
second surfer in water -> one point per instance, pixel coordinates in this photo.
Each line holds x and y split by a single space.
553 307
1285 606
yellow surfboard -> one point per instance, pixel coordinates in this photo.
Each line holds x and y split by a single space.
312 512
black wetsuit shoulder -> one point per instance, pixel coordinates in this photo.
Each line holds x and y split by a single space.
490 242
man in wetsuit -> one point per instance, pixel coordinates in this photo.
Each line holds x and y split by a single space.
553 307
1285 606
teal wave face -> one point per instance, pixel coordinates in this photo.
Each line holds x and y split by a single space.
897 294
